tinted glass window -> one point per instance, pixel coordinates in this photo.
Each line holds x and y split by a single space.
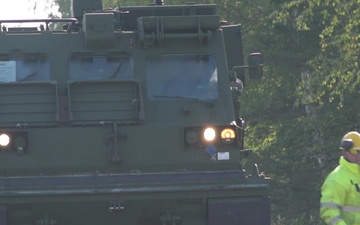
182 76
101 68
22 70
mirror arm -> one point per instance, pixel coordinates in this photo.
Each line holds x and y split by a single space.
248 66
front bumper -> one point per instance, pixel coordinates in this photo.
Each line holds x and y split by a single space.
134 198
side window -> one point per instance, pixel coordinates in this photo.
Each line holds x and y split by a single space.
25 69
101 67
182 76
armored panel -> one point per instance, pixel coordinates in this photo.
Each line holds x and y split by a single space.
240 211
157 29
177 23
28 104
103 102
98 29
129 15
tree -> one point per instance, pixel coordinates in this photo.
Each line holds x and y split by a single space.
64 7
298 148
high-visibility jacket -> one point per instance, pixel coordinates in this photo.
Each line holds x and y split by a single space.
340 195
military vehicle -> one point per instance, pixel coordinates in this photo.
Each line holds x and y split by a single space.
126 116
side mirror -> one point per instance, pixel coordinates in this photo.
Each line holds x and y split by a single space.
255 65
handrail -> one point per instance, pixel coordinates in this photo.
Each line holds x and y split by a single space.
72 21
155 29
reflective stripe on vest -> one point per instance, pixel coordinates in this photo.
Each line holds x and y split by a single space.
334 220
350 208
329 205
342 208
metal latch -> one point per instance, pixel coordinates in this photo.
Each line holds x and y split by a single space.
46 220
115 207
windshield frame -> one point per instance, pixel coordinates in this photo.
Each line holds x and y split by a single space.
100 67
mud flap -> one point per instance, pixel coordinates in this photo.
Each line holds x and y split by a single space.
248 211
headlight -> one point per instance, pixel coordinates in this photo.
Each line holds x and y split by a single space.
4 140
209 134
201 136
20 143
191 137
17 141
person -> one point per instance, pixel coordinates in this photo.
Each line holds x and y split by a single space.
340 192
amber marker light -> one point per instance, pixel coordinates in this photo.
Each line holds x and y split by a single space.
228 135
4 140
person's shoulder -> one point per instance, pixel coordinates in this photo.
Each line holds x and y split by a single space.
337 174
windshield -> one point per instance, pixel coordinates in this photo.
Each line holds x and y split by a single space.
172 77
101 68
27 69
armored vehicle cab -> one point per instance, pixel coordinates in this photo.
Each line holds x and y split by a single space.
126 116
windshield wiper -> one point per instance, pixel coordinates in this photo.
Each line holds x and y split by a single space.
185 98
29 76
115 73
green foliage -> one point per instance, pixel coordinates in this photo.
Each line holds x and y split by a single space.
336 67
299 147
64 7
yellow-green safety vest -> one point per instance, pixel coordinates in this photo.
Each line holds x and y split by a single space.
340 195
